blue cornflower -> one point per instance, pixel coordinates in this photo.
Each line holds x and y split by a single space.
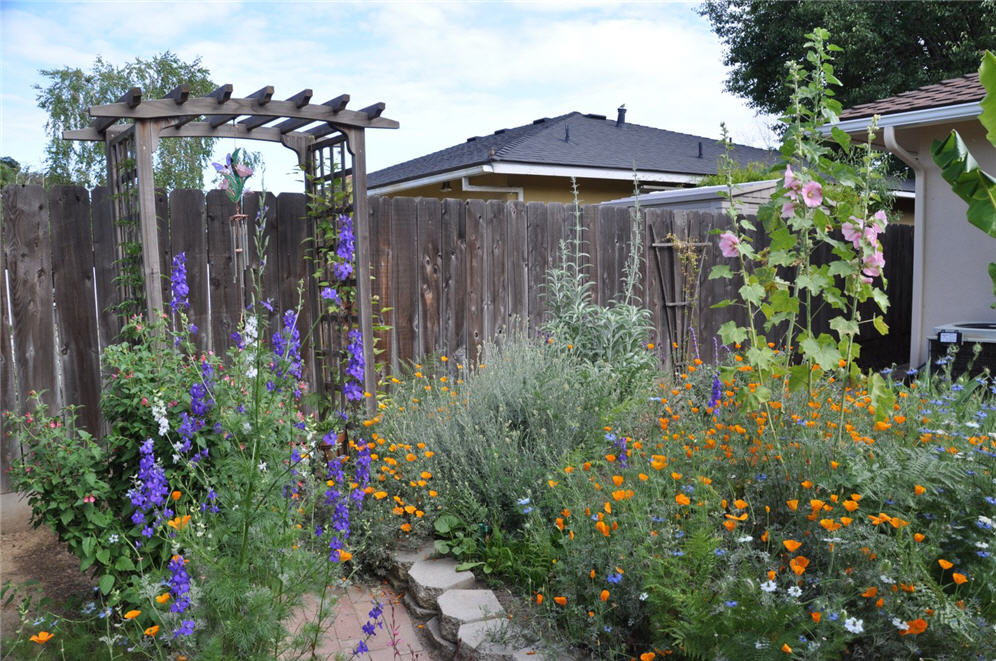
731 604
720 552
615 577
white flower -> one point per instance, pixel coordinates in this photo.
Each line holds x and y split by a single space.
854 625
899 624
982 545
769 586
262 467
886 579
745 539
159 413
643 596
795 591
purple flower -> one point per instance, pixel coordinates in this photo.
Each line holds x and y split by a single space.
179 584
186 628
717 392
343 270
178 283
151 489
332 295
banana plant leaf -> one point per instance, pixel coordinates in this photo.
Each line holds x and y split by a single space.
970 182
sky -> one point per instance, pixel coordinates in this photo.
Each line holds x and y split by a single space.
445 70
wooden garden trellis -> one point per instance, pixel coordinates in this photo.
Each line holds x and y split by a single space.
320 135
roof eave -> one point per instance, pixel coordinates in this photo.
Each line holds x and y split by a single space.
922 117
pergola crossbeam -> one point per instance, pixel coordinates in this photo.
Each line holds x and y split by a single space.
129 99
179 94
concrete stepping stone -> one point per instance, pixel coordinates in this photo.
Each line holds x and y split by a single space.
401 562
482 641
428 579
457 607
447 648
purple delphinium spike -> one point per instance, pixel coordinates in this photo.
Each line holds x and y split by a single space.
178 283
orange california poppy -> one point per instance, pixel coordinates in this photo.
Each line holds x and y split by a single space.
919 625
163 598
132 614
152 631
798 564
959 578
561 601
945 564
539 598
682 499
42 637
604 596
791 545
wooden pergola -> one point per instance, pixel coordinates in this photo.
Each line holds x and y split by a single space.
320 135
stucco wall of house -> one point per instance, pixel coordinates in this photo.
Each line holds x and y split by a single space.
951 283
535 189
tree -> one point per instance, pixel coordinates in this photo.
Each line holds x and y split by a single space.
889 47
70 93
12 172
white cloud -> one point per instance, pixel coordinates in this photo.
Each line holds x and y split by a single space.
446 71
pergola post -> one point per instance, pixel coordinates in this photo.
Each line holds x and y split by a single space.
355 141
146 137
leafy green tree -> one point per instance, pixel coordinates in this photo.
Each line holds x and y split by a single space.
12 172
889 47
71 91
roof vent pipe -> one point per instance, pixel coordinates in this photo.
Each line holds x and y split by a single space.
621 117
700 149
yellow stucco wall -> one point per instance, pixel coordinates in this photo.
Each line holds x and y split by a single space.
535 189
950 279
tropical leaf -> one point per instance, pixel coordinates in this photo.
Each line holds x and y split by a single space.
968 181
987 75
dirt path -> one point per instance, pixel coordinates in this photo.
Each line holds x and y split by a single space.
35 554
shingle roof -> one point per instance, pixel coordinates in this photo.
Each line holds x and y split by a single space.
580 140
963 89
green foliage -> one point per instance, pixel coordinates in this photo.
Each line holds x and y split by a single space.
889 47
71 91
614 336
11 172
970 182
732 172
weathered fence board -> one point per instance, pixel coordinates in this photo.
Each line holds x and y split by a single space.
449 275
75 310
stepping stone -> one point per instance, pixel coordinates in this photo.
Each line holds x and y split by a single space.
401 562
415 610
447 648
482 641
457 607
430 578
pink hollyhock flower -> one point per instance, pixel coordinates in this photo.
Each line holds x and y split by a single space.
852 231
812 194
881 220
791 182
788 209
728 244
871 234
873 264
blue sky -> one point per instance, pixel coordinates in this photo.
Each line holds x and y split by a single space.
446 70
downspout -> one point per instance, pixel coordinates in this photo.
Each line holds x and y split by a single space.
916 322
469 187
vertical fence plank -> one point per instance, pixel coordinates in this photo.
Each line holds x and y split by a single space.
496 304
281 238
404 279
28 259
165 251
476 278
75 318
428 213
105 271
380 260
656 232
453 238
188 234
517 266
226 299
29 264
589 247
537 259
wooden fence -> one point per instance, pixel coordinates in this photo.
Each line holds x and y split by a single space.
448 275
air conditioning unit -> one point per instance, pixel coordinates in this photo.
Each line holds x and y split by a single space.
960 339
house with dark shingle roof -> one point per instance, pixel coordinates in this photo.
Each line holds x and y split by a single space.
950 279
535 162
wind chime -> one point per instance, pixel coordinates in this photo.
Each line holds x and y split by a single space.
234 175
